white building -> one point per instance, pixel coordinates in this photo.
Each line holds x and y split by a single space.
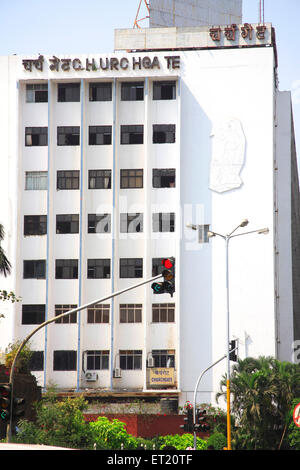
106 160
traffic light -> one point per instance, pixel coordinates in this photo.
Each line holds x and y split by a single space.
168 284
189 425
5 401
201 424
233 350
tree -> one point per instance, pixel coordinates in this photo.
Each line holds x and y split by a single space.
5 266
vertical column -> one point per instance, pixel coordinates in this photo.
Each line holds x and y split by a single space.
179 232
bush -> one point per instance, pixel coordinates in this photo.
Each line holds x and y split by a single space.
182 442
217 440
111 434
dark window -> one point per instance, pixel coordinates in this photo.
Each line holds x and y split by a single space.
68 92
131 267
163 222
68 179
64 360
132 91
33 314
164 90
163 313
99 179
131 360
157 267
100 91
99 223
36 361
163 178
131 179
98 268
66 269
164 133
131 223
99 313
59 309
100 135
97 360
68 135
132 134
130 313
34 269
163 357
36 136
67 223
37 93
35 224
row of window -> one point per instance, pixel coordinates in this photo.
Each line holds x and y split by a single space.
100 135
99 223
34 314
101 91
98 268
101 179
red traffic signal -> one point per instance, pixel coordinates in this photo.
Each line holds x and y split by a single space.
168 273
5 401
168 263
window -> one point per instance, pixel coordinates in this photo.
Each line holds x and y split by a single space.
99 179
36 180
64 360
66 269
131 360
99 313
68 179
68 92
157 267
35 224
164 90
164 133
97 360
100 91
36 361
163 357
68 135
163 222
37 93
99 223
59 309
131 179
163 313
36 136
132 91
34 269
67 223
131 223
163 178
98 268
130 313
133 134
100 135
33 314
131 267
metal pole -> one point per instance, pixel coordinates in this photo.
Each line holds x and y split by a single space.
228 346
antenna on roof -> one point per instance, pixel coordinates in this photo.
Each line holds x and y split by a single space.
137 19
262 11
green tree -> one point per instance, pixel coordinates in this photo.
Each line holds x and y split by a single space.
5 266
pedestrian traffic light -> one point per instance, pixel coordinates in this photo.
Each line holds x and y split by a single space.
5 401
233 350
201 424
189 425
168 273
18 408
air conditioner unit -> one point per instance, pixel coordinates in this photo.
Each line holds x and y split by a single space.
151 362
91 376
117 373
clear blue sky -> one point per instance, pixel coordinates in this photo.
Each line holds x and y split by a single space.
87 26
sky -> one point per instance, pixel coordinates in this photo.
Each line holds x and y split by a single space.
87 26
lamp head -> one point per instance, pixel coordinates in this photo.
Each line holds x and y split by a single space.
244 223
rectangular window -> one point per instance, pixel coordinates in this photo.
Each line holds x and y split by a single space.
131 179
35 225
68 135
72 318
163 313
164 90
99 179
164 133
100 135
98 268
34 269
163 357
68 179
36 361
97 360
130 313
68 92
33 314
64 360
67 223
99 223
132 134
100 91
163 222
36 136
163 178
131 360
66 269
99 313
157 267
131 223
131 267
36 180
132 91
37 93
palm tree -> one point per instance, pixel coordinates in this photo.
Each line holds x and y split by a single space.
5 266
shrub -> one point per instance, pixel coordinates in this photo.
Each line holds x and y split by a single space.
111 434
182 442
217 440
